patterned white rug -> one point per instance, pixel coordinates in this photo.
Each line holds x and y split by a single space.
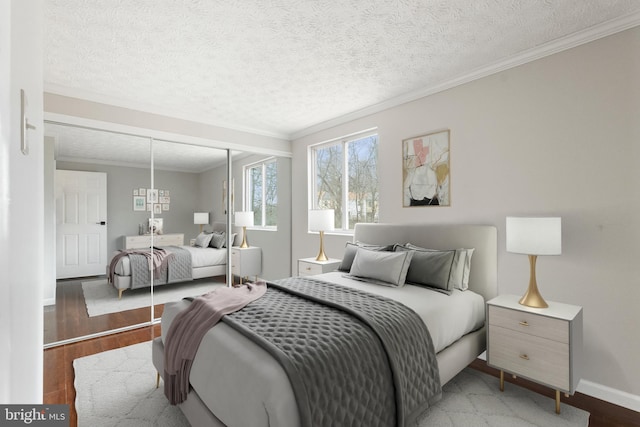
117 387
102 298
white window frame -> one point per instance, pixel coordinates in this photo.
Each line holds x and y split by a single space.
246 201
312 186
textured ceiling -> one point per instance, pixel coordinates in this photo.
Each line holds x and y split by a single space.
282 66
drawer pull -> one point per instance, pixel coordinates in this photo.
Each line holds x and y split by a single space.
308 268
524 356
524 323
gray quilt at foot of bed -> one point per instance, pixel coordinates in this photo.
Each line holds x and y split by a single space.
178 268
353 358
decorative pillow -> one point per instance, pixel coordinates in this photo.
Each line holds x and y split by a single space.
430 267
381 267
218 239
460 268
350 253
203 239
233 239
467 269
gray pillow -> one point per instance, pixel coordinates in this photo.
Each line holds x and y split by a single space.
381 267
350 253
203 239
460 268
430 267
218 239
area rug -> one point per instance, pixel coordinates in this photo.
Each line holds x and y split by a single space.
117 387
102 298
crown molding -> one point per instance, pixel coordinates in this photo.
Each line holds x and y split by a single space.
564 43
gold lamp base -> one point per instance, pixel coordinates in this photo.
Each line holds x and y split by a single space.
532 297
321 255
244 243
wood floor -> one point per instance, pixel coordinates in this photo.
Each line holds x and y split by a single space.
59 375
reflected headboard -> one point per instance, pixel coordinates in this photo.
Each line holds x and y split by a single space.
483 277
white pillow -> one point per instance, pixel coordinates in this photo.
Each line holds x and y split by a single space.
467 269
381 267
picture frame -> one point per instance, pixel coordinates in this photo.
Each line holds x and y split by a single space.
157 208
142 191
165 199
139 203
426 169
155 226
165 206
152 195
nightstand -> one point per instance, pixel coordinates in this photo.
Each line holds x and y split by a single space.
540 344
246 262
309 266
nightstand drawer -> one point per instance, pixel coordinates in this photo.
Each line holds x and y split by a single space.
310 266
308 269
539 359
529 323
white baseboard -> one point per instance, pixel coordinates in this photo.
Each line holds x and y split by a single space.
609 394
602 392
49 301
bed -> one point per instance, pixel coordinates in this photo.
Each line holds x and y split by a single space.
235 382
189 262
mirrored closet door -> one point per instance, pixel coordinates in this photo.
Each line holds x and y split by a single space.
108 192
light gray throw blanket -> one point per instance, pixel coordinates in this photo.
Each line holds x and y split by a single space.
190 325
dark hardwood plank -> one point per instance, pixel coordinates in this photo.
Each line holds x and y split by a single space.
603 414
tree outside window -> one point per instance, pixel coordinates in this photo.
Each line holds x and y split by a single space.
345 179
261 192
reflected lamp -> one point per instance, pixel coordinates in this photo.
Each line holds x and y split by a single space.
244 219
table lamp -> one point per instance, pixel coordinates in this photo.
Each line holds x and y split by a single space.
244 219
321 220
533 237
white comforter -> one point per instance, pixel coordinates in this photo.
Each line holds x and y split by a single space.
448 317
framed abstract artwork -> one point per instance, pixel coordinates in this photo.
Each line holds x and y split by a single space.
425 170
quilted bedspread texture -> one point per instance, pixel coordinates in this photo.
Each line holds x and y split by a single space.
366 360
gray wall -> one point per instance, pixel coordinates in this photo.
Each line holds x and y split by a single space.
559 136
275 244
122 220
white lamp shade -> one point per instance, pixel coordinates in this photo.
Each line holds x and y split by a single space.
534 236
244 219
201 217
321 219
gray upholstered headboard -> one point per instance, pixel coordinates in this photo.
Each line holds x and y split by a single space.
484 238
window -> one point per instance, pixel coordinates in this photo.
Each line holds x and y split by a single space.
261 192
345 178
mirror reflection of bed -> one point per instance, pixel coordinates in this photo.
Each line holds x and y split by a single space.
193 184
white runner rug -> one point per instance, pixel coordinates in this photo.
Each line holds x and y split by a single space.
117 387
102 298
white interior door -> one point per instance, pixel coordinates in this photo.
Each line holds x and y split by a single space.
81 223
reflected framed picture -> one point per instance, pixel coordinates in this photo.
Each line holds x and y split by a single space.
425 170
155 225
139 203
152 195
